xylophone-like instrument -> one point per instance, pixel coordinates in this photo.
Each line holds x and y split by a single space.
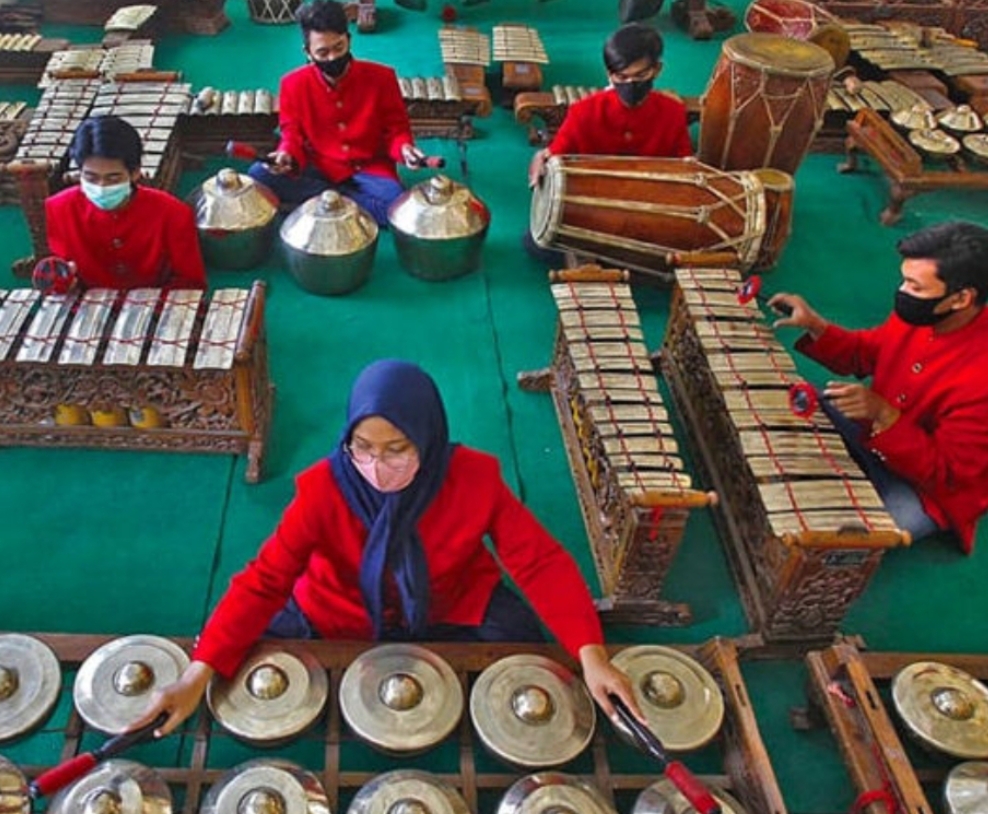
144 369
466 54
437 107
188 16
550 107
803 527
520 51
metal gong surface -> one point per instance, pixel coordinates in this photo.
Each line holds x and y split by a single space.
401 697
408 791
553 793
966 789
14 797
30 680
532 711
944 707
276 694
115 787
663 797
680 699
266 787
114 684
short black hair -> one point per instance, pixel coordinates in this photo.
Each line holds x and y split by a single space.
960 251
322 15
631 43
107 137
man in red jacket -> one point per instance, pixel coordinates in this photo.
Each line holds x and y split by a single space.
114 232
343 122
920 431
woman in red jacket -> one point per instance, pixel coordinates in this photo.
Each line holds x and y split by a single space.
385 540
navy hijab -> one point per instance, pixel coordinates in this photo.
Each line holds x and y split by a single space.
405 395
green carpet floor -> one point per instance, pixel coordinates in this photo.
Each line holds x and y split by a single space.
120 542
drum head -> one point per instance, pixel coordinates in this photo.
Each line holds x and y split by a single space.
966 789
401 697
664 798
681 701
266 787
532 711
114 684
14 797
834 39
553 793
408 791
276 694
30 680
778 55
547 200
944 707
115 787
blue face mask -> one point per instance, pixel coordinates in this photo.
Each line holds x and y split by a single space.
108 197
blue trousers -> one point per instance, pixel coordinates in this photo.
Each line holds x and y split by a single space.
507 619
375 193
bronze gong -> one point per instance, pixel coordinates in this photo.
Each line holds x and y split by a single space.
114 684
266 787
115 787
30 680
14 797
531 711
966 789
407 791
276 694
663 797
553 793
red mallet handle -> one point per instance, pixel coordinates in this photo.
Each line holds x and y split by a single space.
803 399
59 777
692 789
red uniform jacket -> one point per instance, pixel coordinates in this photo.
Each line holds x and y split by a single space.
315 554
358 125
601 124
939 383
151 241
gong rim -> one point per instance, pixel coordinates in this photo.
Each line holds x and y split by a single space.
278 692
14 795
114 684
385 793
662 797
264 786
401 698
115 787
30 682
553 792
657 675
966 788
944 708
544 718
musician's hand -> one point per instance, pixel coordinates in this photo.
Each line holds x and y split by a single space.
536 169
412 157
861 403
178 699
802 315
602 677
281 163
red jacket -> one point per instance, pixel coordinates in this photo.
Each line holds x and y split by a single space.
151 241
601 124
358 125
939 383
315 554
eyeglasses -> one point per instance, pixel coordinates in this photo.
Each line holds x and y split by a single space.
391 458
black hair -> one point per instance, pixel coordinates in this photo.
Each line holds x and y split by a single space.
631 43
107 137
322 15
960 251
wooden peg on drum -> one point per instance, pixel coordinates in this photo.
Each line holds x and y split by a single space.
751 289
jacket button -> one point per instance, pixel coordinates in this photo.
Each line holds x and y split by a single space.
917 367
901 398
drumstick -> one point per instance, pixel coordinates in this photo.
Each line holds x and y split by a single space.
60 776
751 289
247 152
431 162
682 778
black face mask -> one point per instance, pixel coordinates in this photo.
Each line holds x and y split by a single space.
633 93
333 68
917 310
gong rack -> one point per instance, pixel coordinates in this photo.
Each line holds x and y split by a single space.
745 768
847 686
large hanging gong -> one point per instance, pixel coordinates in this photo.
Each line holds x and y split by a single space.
553 793
30 680
532 711
680 699
944 708
14 797
114 684
115 787
407 791
401 697
276 694
966 789
663 797
266 787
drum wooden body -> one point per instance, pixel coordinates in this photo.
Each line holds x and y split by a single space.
764 103
779 190
633 212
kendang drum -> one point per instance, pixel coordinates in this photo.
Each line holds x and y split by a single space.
30 680
764 102
266 787
779 189
800 20
636 212
273 12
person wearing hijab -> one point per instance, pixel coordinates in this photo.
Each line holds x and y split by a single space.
384 540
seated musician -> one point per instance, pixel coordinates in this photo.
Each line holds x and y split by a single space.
385 540
114 231
343 122
920 430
